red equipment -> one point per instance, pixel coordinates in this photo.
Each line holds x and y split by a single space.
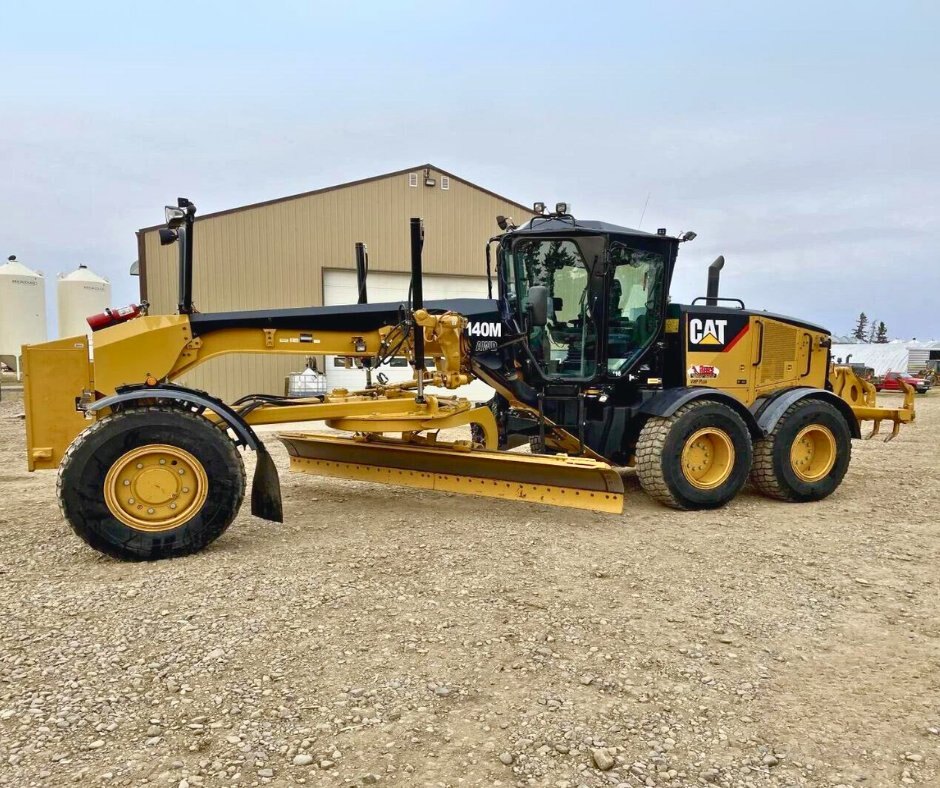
111 317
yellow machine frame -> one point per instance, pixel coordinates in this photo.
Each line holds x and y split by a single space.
158 348
151 350
154 349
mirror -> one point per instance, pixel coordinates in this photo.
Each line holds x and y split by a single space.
538 305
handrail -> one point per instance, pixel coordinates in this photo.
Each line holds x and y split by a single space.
718 298
760 346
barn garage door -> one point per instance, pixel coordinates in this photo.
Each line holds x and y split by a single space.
339 287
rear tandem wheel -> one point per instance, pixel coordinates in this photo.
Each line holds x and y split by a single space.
697 458
805 456
151 483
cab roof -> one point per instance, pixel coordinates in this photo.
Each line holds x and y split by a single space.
542 225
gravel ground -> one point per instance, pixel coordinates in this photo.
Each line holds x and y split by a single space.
385 636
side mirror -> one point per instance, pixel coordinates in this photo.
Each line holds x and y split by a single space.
538 305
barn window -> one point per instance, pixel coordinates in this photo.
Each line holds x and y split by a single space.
413 179
445 182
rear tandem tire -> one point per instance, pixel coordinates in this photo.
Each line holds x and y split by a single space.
806 455
151 483
697 458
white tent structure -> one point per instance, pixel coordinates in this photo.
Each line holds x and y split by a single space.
898 356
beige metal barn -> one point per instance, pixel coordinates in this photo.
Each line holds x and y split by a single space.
300 251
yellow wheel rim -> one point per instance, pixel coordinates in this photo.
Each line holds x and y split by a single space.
813 453
156 487
707 458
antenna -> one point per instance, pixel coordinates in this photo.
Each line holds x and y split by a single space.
640 225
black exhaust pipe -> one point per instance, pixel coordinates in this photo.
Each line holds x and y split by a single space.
714 276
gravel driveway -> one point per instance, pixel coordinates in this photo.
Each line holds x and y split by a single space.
394 637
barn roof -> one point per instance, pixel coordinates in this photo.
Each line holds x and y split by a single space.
347 185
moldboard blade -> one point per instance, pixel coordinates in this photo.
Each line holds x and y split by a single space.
574 482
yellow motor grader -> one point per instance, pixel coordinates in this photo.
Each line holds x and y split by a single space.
593 367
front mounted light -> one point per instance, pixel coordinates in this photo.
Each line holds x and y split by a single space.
175 216
168 235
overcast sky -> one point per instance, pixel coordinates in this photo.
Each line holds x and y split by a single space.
801 140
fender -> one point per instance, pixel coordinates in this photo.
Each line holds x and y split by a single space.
770 410
265 485
667 402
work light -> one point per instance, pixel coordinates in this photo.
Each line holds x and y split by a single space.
174 215
168 236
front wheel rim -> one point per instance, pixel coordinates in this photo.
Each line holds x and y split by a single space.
156 487
813 453
708 458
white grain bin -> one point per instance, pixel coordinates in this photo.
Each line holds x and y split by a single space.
80 294
22 310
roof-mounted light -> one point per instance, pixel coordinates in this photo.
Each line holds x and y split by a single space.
539 207
174 215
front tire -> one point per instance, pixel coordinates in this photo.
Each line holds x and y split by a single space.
698 458
806 455
151 483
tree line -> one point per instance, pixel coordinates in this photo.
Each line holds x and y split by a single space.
871 331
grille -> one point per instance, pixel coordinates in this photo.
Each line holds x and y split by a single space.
779 350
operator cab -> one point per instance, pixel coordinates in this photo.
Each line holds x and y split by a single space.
590 297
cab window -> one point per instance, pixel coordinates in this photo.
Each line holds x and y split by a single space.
634 306
567 346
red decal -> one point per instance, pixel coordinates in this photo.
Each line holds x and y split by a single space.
737 338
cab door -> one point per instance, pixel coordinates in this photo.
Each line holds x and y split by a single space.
566 347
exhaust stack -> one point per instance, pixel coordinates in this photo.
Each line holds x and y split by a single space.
714 276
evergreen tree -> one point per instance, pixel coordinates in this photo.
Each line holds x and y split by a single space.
871 332
861 328
881 337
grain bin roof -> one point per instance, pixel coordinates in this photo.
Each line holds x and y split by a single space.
347 185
